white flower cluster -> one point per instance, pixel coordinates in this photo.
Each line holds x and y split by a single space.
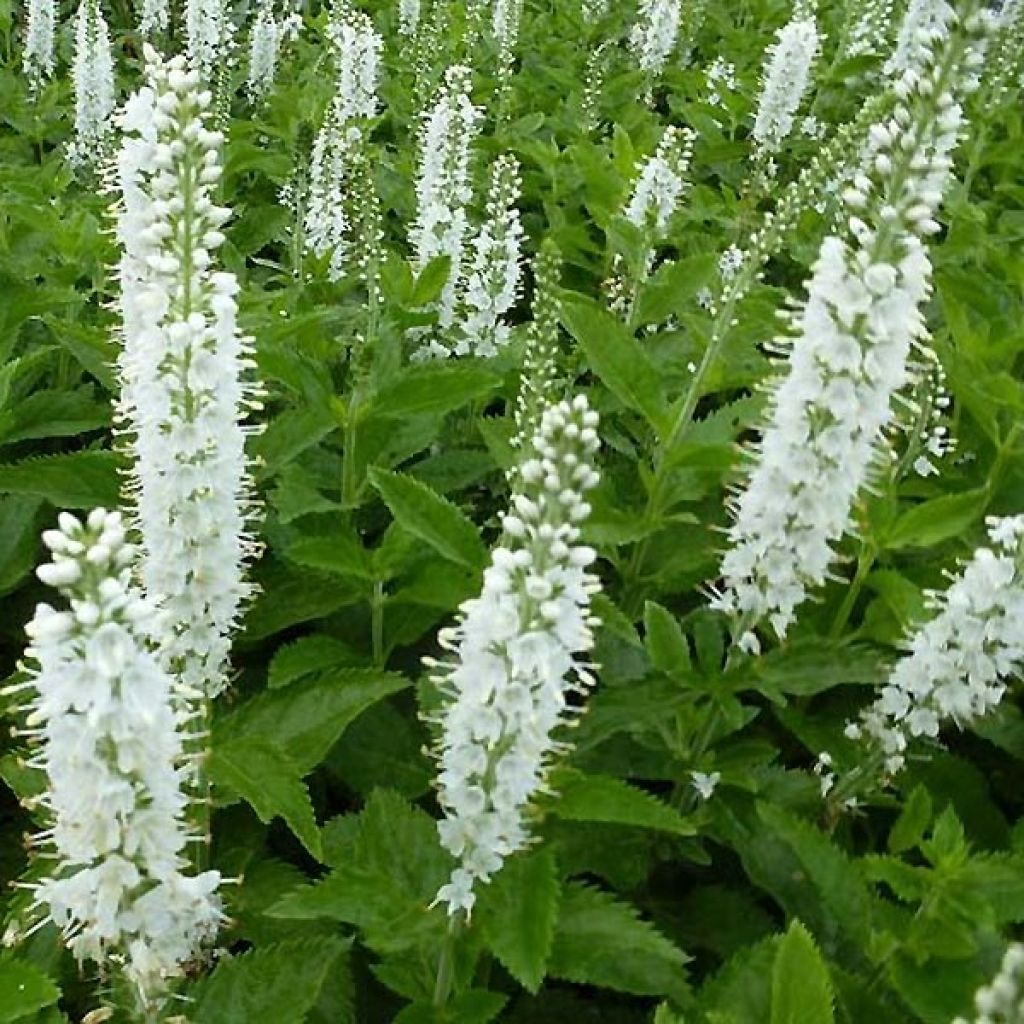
958 661
408 17
660 184
40 26
786 77
653 36
209 35
339 148
853 337
925 22
184 370
1002 1000
867 32
492 284
109 730
266 37
517 656
444 186
155 17
93 74
720 77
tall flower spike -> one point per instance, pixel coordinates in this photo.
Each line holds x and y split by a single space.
516 657
853 337
867 30
184 373
336 204
923 24
40 25
537 379
492 285
108 727
957 663
505 20
209 35
653 36
443 189
266 38
93 73
1001 1001
408 17
659 186
786 77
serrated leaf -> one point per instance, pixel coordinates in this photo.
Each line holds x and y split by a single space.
339 553
277 984
432 388
667 647
72 481
24 989
672 288
305 656
384 879
915 816
433 519
430 281
474 1006
801 985
617 359
517 914
289 434
263 775
305 724
600 941
610 800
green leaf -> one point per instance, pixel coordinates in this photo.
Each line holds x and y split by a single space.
384 878
305 724
432 388
617 359
262 775
24 989
672 288
339 553
937 520
430 517
431 281
76 480
667 647
305 656
801 986
474 1006
600 941
277 984
914 819
517 914
603 798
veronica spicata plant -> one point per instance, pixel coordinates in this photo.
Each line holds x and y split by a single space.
653 36
93 73
110 728
184 368
266 37
40 27
852 340
516 656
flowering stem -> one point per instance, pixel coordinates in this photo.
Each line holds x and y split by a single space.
865 563
377 623
446 964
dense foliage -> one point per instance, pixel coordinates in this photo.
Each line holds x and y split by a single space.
730 809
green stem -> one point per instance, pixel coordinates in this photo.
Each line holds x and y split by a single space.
865 563
446 964
377 623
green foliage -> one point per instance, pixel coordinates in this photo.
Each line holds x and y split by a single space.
801 989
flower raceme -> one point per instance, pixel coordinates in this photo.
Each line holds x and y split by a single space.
957 663
1001 1001
848 358
786 77
654 35
184 373
93 73
443 190
516 656
109 729
40 28
265 38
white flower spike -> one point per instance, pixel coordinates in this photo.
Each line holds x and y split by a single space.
93 74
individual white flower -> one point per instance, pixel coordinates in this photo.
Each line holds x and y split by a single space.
720 77
958 662
93 74
492 283
40 25
653 36
444 188
517 657
184 373
155 17
109 727
786 77
729 262
209 34
705 783
266 37
853 337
